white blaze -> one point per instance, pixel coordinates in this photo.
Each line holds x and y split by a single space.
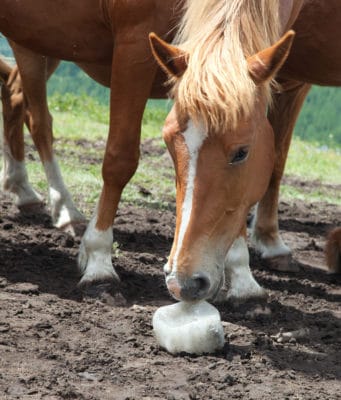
194 137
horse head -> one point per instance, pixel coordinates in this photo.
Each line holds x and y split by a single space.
220 174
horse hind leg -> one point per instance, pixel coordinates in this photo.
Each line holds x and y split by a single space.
265 229
34 72
333 251
14 176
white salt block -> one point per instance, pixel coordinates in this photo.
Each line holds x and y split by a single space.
193 328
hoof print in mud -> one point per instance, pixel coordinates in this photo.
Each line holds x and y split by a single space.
107 292
250 308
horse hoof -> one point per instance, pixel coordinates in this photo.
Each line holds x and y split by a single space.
74 228
106 292
281 263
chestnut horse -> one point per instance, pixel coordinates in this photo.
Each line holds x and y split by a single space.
223 146
228 155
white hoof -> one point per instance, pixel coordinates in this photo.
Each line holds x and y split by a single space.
94 257
245 287
276 248
63 211
96 267
240 283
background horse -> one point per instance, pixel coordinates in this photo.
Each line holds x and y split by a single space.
35 114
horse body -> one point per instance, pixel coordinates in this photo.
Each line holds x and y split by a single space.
315 56
74 31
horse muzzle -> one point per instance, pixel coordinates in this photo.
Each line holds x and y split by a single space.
194 288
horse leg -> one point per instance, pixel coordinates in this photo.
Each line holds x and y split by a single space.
265 230
240 285
34 71
131 83
14 176
333 251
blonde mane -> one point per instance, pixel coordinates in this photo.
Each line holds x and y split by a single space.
218 36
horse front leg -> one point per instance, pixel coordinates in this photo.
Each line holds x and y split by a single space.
240 284
132 75
34 71
265 230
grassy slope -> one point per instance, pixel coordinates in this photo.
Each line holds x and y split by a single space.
81 128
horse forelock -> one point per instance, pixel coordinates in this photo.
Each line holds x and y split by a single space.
218 36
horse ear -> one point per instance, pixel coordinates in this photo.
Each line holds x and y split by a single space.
265 64
170 58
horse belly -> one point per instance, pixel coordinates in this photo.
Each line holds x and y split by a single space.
316 53
69 30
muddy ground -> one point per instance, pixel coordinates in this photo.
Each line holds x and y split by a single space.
54 345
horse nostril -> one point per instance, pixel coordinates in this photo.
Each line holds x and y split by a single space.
196 287
202 282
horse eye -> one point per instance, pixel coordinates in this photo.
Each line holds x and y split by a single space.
239 156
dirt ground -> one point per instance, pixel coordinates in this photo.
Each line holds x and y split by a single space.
54 345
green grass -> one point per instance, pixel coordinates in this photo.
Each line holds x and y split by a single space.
317 163
314 162
81 126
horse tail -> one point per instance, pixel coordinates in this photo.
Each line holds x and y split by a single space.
333 251
5 70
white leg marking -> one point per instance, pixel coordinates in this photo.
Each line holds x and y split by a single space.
268 249
14 179
194 138
94 257
63 209
242 284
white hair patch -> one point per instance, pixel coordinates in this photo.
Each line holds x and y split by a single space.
194 137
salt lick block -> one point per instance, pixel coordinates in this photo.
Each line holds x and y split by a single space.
193 328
